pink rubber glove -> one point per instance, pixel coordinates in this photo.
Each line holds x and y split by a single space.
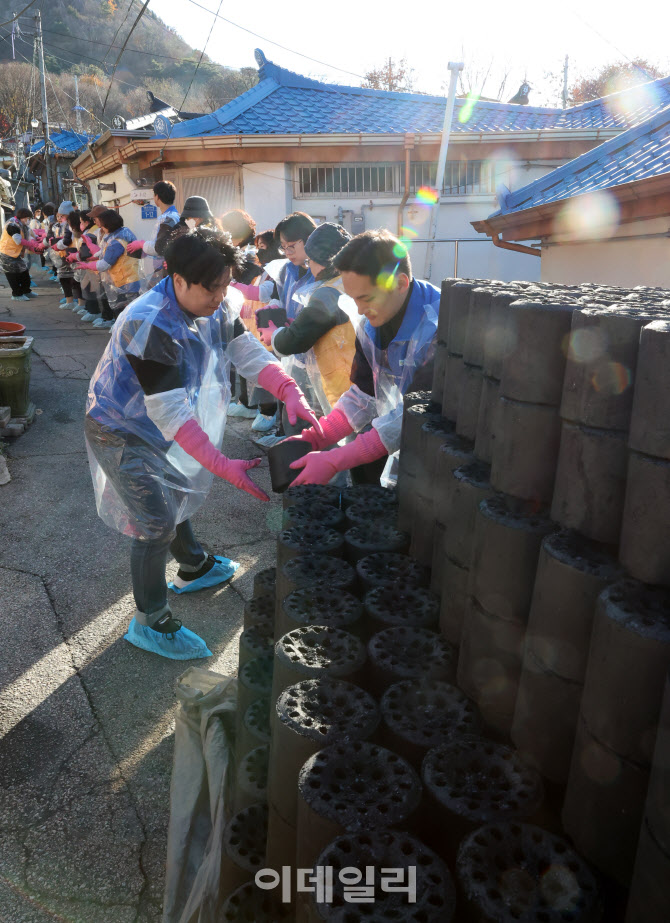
280 385
40 233
92 245
333 428
321 467
72 257
196 442
250 292
134 245
265 333
32 245
92 265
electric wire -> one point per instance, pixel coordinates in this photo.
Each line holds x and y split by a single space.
277 44
65 93
121 25
116 63
151 54
202 54
19 14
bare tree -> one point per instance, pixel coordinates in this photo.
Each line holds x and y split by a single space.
394 75
613 77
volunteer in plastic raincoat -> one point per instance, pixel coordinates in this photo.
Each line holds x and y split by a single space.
152 263
395 345
155 420
323 330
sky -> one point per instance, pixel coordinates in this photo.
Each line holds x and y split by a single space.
512 40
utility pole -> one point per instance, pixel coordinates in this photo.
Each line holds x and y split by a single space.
565 83
45 111
77 106
455 68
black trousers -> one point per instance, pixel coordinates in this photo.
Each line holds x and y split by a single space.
19 282
71 288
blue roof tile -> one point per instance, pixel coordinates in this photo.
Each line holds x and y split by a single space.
287 103
65 142
640 152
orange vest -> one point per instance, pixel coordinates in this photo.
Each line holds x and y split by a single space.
126 269
7 245
334 354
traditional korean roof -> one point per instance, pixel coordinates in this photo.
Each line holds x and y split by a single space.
284 102
639 153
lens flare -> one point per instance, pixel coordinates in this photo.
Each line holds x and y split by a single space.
630 102
611 378
595 214
400 250
468 107
407 234
387 278
427 195
586 345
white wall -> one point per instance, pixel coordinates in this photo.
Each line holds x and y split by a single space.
143 228
265 187
626 262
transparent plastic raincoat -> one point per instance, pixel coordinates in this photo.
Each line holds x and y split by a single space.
322 362
393 371
152 264
144 482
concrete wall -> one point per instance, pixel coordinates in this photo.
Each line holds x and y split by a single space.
265 190
268 195
132 214
615 262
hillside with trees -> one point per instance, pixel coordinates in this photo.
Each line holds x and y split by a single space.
84 38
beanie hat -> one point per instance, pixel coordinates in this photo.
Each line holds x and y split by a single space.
196 207
325 242
65 208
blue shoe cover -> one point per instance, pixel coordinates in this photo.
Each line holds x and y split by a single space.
185 644
223 570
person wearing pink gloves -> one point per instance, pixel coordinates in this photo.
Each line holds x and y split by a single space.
155 422
14 241
395 346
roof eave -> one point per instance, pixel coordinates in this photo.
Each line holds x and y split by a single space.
638 200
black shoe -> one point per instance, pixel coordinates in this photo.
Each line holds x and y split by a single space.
167 626
187 576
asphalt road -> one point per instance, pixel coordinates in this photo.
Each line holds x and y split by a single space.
86 720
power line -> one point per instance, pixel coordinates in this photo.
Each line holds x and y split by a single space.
277 44
202 54
64 92
121 25
116 63
151 54
14 18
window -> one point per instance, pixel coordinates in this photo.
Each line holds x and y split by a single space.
461 177
355 179
471 177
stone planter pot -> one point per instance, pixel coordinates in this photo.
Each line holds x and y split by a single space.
15 361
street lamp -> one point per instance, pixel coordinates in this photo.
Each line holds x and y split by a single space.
34 123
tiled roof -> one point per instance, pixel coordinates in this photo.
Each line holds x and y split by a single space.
65 142
287 103
639 153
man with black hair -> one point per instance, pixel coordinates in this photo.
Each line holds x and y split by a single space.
395 347
155 419
164 197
